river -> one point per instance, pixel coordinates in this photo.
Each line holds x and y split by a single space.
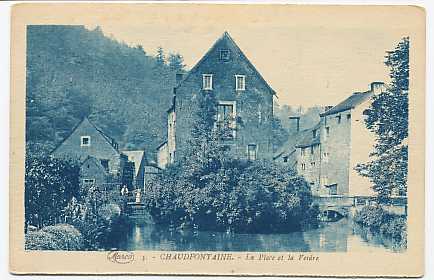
341 236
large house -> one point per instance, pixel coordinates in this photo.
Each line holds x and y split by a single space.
242 94
101 160
327 154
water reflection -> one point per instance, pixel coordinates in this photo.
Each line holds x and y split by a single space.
340 236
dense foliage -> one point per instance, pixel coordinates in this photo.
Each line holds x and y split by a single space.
98 218
49 185
58 237
74 72
379 220
53 195
239 196
210 190
388 119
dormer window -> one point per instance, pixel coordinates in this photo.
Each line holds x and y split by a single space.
85 141
225 55
207 81
314 133
240 82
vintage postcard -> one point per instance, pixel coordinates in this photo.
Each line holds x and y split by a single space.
217 139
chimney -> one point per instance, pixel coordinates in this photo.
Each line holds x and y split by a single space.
328 107
179 77
377 87
297 122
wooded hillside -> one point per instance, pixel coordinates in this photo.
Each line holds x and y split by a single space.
74 72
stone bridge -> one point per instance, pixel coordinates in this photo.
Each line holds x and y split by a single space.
338 206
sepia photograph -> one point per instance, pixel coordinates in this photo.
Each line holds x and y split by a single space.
202 133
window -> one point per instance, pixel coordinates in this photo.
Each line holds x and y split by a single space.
338 119
303 166
85 141
251 152
312 149
327 131
207 81
348 116
314 133
89 181
225 55
285 159
312 164
333 189
240 82
226 119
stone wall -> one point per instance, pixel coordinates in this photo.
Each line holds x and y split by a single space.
336 146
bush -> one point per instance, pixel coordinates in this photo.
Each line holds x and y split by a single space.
67 236
50 183
379 220
371 216
310 220
57 237
239 196
40 240
109 211
396 228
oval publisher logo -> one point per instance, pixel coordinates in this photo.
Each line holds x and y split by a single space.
120 257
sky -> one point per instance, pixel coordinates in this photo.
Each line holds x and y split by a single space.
309 56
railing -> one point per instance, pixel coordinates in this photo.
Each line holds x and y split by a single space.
340 200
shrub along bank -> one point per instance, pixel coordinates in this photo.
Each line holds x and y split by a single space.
236 196
380 221
58 237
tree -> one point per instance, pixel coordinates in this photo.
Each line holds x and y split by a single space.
207 143
176 62
210 190
161 58
50 184
388 119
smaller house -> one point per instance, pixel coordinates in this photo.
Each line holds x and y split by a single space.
301 152
93 172
326 155
308 156
89 145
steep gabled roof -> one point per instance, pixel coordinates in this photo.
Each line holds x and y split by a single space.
306 138
350 103
97 162
108 139
229 39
